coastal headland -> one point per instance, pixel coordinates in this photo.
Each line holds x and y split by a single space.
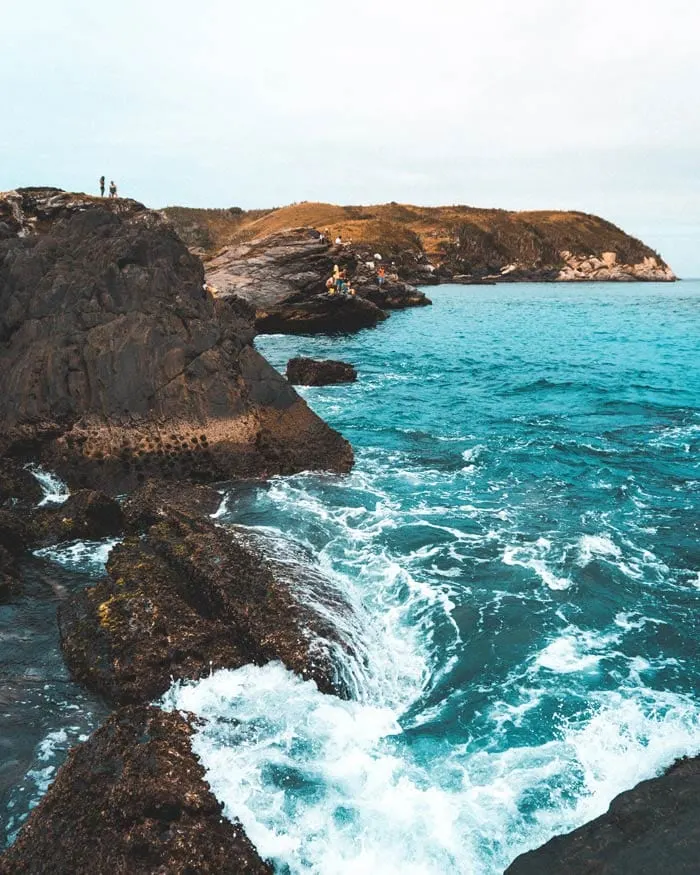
128 367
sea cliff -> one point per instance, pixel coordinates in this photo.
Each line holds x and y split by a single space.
444 244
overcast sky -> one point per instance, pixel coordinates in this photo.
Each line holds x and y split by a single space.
571 104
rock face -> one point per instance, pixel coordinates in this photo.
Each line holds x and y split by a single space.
117 365
427 245
284 275
309 372
606 268
187 598
132 799
652 829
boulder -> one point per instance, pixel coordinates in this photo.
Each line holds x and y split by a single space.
17 485
651 829
189 597
132 798
309 372
119 366
85 515
322 314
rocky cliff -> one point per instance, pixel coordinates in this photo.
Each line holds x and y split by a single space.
283 275
457 243
117 364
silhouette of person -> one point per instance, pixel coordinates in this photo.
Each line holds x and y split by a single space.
102 186
112 188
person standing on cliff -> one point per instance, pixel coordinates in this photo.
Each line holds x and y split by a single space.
102 186
112 188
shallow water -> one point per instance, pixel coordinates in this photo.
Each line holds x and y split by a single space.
519 543
519 539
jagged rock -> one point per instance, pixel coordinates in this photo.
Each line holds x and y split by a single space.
606 268
17 485
284 275
650 830
118 365
322 314
144 507
309 372
86 514
132 799
187 598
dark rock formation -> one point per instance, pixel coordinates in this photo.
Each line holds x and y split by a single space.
650 830
132 799
188 598
17 486
321 314
284 275
85 515
146 505
118 365
309 372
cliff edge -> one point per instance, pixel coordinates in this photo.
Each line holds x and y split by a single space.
118 365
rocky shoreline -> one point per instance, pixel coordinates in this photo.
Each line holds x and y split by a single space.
422 245
140 386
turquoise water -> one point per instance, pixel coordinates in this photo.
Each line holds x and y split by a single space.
519 545
519 540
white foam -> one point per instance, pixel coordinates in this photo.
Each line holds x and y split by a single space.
55 490
88 556
596 546
534 556
331 788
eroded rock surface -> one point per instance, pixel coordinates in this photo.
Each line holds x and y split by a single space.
651 830
132 799
283 276
187 598
310 372
118 365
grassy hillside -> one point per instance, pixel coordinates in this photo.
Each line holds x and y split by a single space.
463 239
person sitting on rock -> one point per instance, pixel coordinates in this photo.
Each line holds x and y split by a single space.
112 188
330 285
338 240
102 186
381 276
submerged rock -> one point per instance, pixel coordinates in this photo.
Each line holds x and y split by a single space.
652 829
118 365
132 799
187 598
309 372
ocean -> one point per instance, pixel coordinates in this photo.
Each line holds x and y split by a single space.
519 545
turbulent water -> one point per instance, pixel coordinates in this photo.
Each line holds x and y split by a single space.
519 544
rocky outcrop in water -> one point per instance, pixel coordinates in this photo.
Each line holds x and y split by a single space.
309 372
132 799
186 599
284 275
652 829
118 365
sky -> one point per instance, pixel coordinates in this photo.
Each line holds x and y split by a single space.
544 104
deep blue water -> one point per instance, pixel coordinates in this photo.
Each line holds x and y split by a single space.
519 543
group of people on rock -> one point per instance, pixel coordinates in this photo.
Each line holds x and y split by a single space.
339 284
112 187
